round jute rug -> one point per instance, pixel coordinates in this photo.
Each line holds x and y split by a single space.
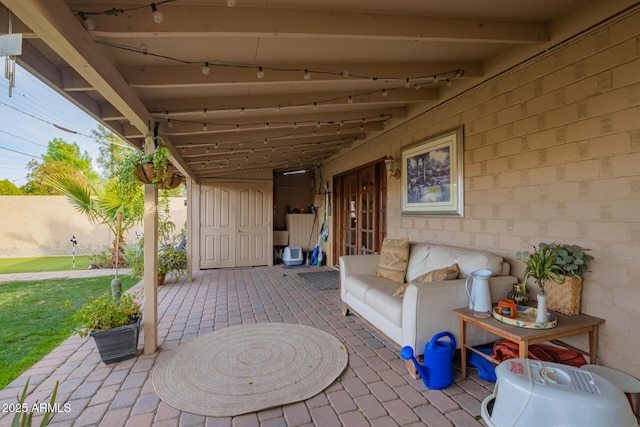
248 368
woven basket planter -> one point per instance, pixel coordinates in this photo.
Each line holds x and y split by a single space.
564 296
147 175
117 344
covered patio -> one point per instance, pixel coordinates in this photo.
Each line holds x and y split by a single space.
374 389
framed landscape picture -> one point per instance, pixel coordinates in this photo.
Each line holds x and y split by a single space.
432 178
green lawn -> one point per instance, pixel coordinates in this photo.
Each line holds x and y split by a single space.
52 263
34 318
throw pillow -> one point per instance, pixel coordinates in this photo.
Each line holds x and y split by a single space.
394 258
447 273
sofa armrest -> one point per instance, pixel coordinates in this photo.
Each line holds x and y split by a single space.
427 308
351 265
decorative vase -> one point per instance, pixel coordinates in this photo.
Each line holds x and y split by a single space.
516 295
542 317
564 296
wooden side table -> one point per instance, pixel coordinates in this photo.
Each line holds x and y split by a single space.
567 326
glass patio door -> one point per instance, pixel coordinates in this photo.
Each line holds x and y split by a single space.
361 204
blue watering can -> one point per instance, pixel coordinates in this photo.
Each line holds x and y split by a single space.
437 371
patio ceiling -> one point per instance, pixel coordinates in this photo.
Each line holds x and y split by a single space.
289 83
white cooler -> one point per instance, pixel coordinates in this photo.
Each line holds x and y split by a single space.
530 393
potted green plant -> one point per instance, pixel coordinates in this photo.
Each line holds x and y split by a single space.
113 324
541 265
564 293
171 259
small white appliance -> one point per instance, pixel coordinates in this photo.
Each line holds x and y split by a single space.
292 255
531 393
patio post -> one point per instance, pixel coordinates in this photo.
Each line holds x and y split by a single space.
150 279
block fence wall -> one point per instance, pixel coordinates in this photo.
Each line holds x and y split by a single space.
43 226
551 153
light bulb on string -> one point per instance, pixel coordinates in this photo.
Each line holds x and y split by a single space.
88 23
205 69
204 113
260 73
158 17
307 75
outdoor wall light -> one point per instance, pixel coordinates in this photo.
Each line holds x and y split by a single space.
389 164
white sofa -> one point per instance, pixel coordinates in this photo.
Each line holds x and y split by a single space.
426 308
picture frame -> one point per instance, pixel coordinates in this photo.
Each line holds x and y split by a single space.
432 176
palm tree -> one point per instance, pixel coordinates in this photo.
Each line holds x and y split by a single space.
118 205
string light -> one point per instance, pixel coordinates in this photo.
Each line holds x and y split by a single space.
205 69
307 75
260 73
158 17
89 24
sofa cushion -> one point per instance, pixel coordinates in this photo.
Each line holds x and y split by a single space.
380 299
447 273
468 260
359 284
394 258
418 253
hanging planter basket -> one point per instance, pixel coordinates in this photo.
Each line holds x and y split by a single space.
165 177
171 182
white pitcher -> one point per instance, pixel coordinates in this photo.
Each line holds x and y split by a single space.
479 297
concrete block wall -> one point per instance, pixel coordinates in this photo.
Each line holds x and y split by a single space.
43 226
551 153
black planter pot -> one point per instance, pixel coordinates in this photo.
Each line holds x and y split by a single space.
117 344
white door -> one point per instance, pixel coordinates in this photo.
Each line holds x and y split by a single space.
235 225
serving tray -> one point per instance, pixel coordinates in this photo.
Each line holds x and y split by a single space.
526 318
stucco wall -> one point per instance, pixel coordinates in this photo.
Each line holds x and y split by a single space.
43 226
551 153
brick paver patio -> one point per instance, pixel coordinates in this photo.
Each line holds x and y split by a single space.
374 390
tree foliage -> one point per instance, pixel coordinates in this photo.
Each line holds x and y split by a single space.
113 150
62 158
7 188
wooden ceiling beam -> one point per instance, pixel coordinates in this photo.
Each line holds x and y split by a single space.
170 76
222 21
53 22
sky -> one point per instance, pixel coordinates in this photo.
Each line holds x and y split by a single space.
27 124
